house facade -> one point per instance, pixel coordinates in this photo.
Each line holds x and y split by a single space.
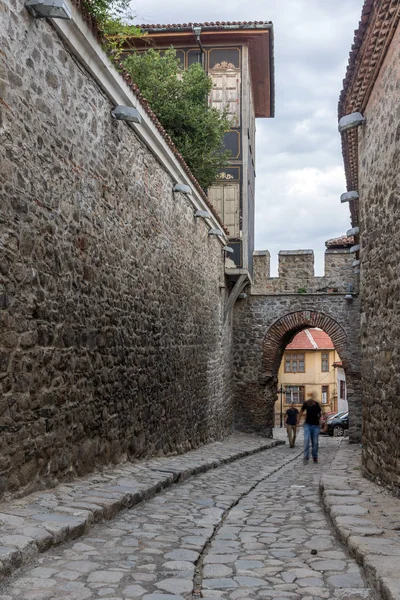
309 366
239 59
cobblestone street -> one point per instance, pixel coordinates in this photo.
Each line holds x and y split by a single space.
251 529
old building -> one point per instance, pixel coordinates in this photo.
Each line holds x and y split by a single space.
308 367
239 59
371 151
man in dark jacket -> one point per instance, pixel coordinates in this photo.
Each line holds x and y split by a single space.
291 425
313 411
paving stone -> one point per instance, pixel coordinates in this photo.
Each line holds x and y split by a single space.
216 570
105 576
178 586
219 583
244 581
345 581
133 591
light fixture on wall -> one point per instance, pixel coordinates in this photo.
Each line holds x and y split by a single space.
228 249
48 9
182 188
355 249
353 231
242 296
215 231
204 214
126 113
350 121
348 196
349 291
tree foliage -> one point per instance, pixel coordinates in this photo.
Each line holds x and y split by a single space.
180 100
114 19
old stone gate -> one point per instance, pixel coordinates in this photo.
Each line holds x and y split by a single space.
274 310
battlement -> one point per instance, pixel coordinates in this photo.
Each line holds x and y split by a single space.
296 272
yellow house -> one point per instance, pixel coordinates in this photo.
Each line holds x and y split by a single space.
308 367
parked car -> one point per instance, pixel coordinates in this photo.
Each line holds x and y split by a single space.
337 424
325 417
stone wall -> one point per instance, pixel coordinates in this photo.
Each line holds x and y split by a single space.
264 325
296 272
379 185
112 342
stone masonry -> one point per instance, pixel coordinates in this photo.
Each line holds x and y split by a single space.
296 272
267 320
112 339
379 185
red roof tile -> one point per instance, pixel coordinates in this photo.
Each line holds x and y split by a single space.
214 25
341 241
311 339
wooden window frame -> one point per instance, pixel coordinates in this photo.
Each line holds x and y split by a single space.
301 391
327 394
294 359
323 359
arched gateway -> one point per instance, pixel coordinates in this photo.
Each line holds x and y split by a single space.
263 326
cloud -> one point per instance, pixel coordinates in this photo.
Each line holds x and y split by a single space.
298 156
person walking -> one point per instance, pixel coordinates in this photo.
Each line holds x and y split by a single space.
291 425
313 412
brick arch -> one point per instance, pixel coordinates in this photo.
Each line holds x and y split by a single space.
285 328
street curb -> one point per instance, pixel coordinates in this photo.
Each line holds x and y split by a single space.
43 520
347 508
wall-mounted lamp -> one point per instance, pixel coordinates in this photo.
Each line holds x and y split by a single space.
355 263
228 249
347 196
242 296
353 231
348 297
204 214
215 232
350 121
126 113
355 248
48 9
182 188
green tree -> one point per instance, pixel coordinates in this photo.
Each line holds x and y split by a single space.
180 101
114 19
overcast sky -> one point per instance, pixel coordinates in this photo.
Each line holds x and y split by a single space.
299 165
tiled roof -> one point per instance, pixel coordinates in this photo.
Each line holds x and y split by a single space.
93 26
379 20
211 24
311 339
344 240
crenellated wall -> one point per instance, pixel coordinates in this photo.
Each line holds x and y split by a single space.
296 272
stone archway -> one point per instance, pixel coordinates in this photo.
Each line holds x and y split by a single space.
284 329
263 327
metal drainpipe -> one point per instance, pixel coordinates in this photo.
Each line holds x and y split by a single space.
197 33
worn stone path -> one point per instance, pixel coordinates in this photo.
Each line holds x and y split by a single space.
221 534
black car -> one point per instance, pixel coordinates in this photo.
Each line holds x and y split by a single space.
337 424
